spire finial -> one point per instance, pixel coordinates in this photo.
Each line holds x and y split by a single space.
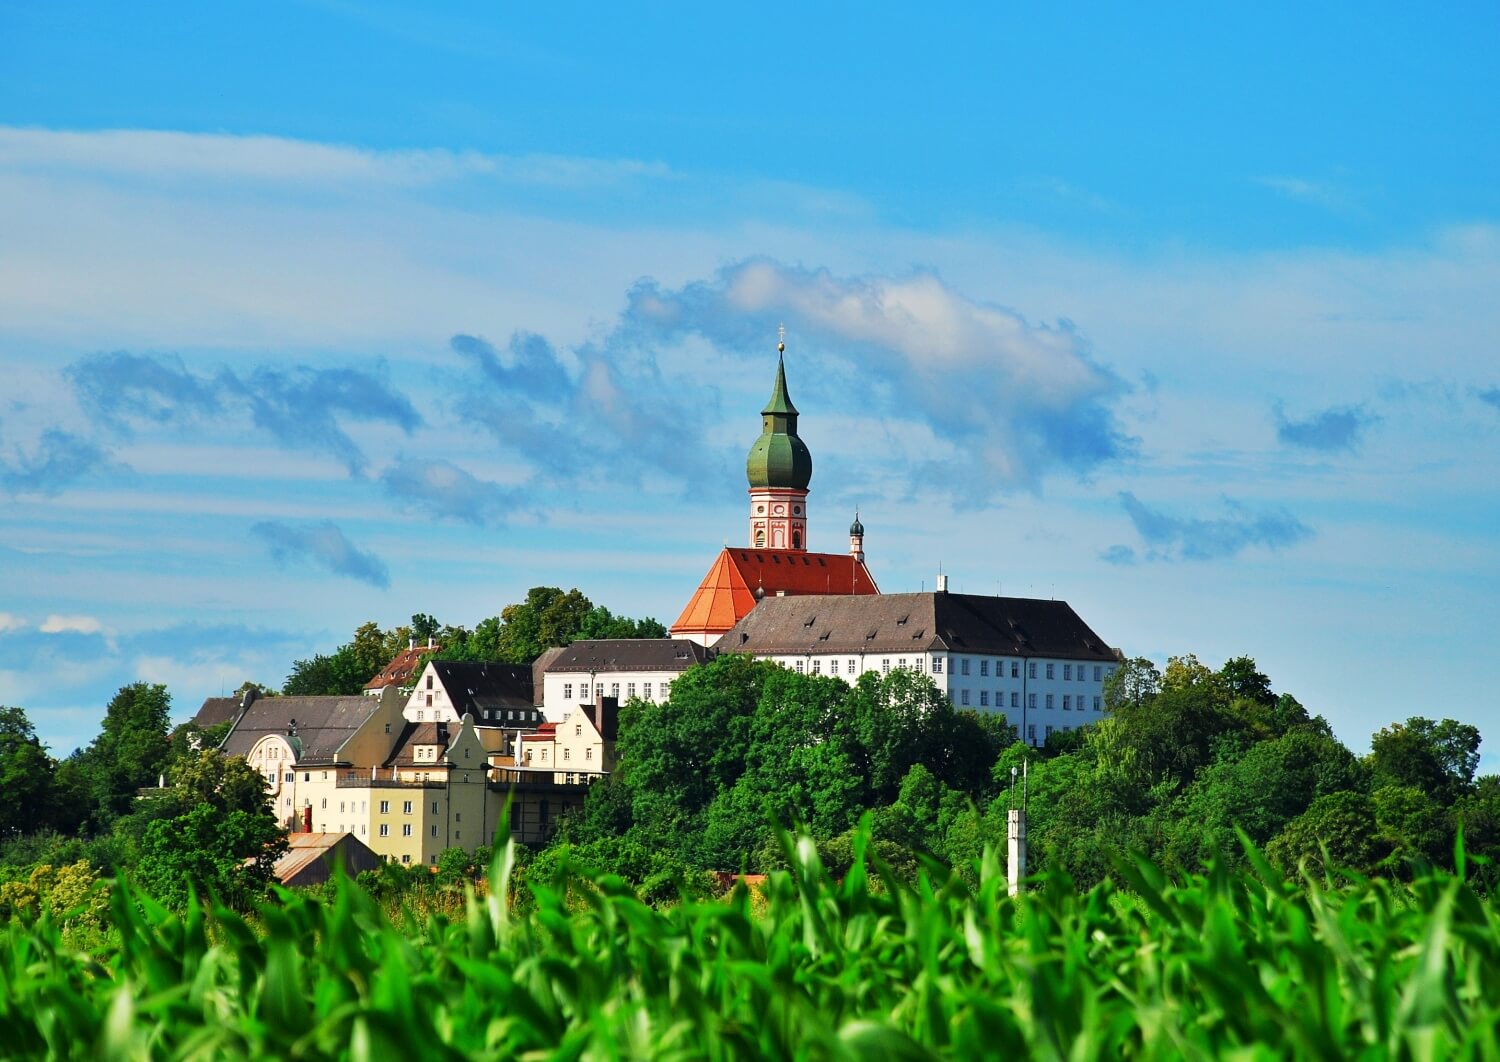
781 339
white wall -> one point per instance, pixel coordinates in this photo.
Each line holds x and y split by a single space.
988 684
564 691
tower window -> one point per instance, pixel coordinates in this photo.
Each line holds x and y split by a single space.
796 539
760 540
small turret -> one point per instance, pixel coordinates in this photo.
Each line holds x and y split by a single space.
857 539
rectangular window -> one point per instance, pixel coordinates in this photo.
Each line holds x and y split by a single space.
1031 669
385 829
921 664
1049 701
1031 733
429 700
984 668
630 690
434 831
1031 700
984 698
646 691
965 695
817 667
1096 704
578 730
614 689
799 666
1015 699
567 691
341 807
406 859
963 666
937 665
833 667
434 807
599 690
1097 671
850 670
588 753
567 754
1067 703
1051 668
325 802
406 807
885 665
1015 669
406 830
1067 672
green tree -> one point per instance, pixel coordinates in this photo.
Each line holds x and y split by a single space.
1261 792
130 753
1133 683
1342 824
1242 679
1439 758
26 776
678 755
219 836
548 617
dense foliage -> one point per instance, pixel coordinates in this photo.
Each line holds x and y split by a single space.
1179 762
813 967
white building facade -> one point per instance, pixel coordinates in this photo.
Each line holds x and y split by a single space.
1036 662
620 668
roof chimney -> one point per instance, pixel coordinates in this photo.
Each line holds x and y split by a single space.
942 584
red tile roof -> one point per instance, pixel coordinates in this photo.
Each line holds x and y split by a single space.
402 670
728 591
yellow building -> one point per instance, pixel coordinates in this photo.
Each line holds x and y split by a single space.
408 790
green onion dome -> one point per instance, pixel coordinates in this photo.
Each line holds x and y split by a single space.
779 458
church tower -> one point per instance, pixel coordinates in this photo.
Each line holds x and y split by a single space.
779 469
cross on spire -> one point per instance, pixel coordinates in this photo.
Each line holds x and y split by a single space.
781 339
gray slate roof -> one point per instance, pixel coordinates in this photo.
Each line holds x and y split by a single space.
216 710
539 668
895 623
473 686
403 753
629 654
322 724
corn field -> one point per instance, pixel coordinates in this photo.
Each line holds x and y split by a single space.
866 967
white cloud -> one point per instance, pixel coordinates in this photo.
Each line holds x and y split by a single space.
59 624
9 621
190 680
212 156
1317 193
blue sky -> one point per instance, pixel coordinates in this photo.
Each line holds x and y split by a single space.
318 313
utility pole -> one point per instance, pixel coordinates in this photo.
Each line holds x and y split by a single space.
1015 866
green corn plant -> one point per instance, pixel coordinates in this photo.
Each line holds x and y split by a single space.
1222 964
